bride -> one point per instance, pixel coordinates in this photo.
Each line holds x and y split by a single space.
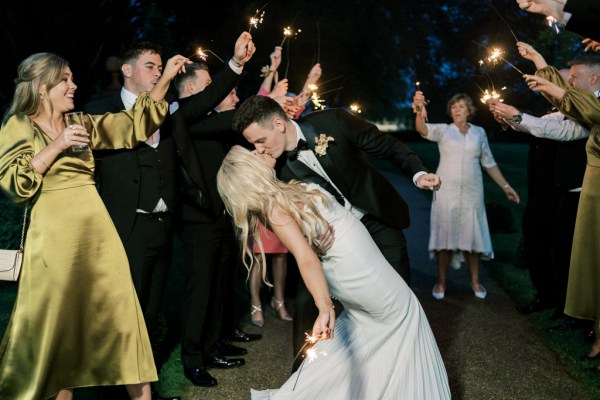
383 347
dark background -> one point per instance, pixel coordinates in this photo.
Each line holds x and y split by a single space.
380 48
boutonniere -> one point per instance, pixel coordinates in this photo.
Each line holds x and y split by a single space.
322 143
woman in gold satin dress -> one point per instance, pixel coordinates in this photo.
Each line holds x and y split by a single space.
76 320
584 107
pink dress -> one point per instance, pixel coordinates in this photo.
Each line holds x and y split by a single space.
271 244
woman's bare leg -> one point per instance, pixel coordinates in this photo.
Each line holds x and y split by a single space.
65 394
139 391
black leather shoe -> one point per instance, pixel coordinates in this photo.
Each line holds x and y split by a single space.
227 349
223 363
199 377
156 396
536 305
241 336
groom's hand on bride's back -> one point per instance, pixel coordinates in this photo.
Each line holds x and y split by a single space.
324 241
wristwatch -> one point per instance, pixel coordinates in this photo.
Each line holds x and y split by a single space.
517 118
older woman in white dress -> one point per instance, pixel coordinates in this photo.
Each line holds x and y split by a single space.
459 226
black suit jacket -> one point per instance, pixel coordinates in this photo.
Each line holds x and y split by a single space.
585 18
212 139
118 171
347 166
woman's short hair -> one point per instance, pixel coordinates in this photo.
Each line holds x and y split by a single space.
468 101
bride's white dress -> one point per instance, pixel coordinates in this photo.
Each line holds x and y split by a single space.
383 347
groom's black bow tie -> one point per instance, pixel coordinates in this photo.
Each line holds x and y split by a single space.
302 145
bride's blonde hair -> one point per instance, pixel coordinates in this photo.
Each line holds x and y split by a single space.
250 190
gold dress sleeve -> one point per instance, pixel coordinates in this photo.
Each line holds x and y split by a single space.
578 104
18 179
125 129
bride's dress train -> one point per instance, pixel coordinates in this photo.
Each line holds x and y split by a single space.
383 347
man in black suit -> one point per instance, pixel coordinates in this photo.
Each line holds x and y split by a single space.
329 148
208 239
139 186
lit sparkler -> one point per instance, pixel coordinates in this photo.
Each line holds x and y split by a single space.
493 95
355 108
317 101
202 54
553 23
496 55
257 18
311 354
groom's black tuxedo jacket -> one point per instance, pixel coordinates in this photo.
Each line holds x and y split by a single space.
119 172
346 164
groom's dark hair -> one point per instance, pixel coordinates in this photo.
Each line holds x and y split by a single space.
259 109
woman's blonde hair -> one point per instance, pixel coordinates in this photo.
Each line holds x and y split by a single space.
250 190
35 71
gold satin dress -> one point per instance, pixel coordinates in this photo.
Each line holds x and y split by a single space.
76 320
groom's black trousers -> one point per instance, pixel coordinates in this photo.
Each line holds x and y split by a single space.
390 241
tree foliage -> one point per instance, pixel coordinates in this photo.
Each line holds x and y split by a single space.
380 49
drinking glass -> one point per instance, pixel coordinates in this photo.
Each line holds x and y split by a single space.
71 118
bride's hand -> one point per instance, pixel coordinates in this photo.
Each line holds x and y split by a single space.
325 322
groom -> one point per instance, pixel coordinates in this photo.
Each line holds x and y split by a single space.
329 148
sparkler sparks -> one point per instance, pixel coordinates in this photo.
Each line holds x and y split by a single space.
202 54
318 102
288 32
553 23
311 354
496 55
257 18
493 95
355 108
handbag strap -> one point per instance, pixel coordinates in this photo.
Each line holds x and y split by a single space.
21 246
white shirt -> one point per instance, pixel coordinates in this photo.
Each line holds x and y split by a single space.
129 99
309 158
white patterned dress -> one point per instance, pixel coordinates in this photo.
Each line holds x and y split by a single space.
458 218
383 347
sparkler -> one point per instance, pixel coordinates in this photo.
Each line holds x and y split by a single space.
317 101
257 18
288 31
496 55
553 23
203 56
503 20
332 79
355 108
318 43
311 354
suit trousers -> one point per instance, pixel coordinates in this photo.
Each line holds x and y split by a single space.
389 240
211 258
540 242
149 249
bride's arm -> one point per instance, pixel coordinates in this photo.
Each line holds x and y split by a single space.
289 233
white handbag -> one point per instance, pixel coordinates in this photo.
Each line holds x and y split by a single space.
11 260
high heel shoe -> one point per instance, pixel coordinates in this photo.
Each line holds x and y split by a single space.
279 310
256 315
479 294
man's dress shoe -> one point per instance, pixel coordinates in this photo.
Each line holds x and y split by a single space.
223 363
228 350
199 377
156 396
241 336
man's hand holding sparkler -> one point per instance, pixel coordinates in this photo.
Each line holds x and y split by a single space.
243 50
528 52
544 86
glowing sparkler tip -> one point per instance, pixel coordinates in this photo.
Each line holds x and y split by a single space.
553 23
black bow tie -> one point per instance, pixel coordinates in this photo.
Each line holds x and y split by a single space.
302 145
